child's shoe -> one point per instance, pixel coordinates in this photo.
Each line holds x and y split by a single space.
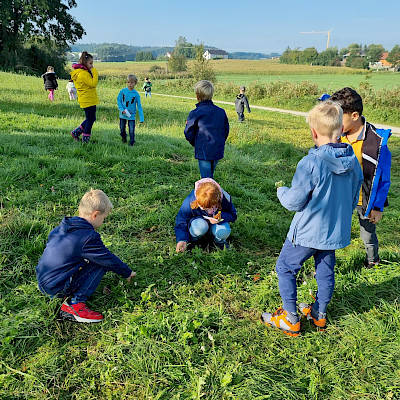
79 312
281 319
317 318
85 138
222 245
77 132
372 264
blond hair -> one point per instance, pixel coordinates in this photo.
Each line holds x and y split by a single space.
50 69
326 118
204 90
95 200
132 77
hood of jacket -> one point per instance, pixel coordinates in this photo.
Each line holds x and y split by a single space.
337 156
71 224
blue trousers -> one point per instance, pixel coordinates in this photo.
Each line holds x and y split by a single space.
87 124
81 285
207 168
290 260
200 226
131 127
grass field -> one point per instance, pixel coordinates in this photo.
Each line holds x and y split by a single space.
187 328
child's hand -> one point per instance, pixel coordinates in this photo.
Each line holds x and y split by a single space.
181 246
123 112
132 275
375 216
279 184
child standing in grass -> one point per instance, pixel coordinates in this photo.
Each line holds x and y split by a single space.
324 193
75 259
207 209
71 90
128 101
240 103
370 146
147 87
85 78
207 129
50 82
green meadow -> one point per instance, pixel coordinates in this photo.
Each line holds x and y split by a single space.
188 326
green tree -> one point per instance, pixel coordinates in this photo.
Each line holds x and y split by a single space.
374 52
177 62
394 56
22 20
328 57
183 47
309 55
202 68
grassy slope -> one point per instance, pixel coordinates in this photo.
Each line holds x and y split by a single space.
188 327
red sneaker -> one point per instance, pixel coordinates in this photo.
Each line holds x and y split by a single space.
79 313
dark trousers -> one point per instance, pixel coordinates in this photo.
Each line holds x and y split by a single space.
90 113
368 236
290 260
81 285
240 116
131 127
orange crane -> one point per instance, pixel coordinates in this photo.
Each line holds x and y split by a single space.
325 33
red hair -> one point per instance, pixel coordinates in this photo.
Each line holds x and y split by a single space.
208 195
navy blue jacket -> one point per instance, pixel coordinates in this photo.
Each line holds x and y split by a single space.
207 129
67 248
187 214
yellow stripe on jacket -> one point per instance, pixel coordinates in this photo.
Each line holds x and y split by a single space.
86 86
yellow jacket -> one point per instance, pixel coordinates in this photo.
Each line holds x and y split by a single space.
86 86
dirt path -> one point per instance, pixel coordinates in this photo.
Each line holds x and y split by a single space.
395 129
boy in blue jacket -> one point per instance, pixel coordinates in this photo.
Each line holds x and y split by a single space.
371 149
324 193
75 259
128 101
207 129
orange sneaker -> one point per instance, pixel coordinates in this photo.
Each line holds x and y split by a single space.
285 321
317 318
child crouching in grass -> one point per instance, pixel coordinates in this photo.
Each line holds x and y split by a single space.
324 192
75 259
207 210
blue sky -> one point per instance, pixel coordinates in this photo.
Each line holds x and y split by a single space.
239 25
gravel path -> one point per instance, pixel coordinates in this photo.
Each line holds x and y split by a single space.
395 129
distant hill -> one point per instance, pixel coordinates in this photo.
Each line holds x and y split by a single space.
242 55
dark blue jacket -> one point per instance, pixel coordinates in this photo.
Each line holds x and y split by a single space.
187 214
67 248
207 129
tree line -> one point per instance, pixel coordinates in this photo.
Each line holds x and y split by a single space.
356 56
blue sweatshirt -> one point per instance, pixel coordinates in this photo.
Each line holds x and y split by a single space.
207 129
186 214
68 245
324 192
130 99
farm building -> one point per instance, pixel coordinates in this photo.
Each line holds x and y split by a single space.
382 63
212 54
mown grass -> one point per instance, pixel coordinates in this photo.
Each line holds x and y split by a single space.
187 328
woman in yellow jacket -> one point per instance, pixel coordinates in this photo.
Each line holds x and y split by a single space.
85 78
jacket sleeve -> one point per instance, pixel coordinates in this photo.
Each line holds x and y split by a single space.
226 126
358 180
139 107
121 106
182 221
191 128
90 80
95 251
246 103
228 212
297 196
384 179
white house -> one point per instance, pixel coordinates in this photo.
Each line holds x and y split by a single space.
211 54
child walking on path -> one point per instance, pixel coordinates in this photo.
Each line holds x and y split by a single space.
85 78
324 193
50 82
71 90
75 259
207 210
207 129
240 103
370 147
147 87
128 101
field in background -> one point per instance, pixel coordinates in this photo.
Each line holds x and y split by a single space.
187 328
